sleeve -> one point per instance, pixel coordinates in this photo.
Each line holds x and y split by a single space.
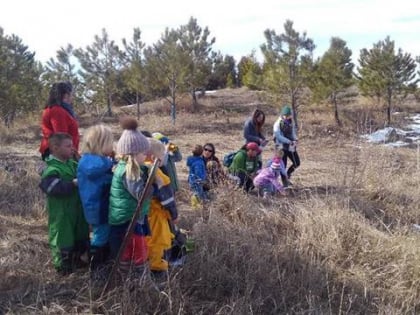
55 186
294 136
176 156
280 138
201 170
276 184
238 163
166 197
276 125
249 132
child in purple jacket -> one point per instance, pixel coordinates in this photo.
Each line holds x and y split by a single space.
267 180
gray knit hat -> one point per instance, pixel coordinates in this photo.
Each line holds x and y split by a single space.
131 141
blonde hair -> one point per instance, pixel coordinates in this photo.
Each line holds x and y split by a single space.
97 140
278 152
132 168
157 149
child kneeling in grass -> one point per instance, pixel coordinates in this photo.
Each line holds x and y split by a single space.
267 180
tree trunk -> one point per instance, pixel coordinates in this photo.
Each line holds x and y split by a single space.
194 101
388 110
337 118
138 105
173 108
109 105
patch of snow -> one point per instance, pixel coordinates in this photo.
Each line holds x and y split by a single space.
393 137
396 144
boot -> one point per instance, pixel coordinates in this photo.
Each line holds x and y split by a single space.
98 256
195 202
80 255
67 266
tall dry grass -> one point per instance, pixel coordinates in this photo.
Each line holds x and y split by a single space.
341 242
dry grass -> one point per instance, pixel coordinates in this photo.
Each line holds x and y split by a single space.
341 242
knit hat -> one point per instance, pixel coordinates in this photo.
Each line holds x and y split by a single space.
131 141
253 146
286 111
275 165
160 137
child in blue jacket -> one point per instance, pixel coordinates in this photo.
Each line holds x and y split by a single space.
197 175
94 174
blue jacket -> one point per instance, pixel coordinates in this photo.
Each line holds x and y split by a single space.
197 169
94 176
250 132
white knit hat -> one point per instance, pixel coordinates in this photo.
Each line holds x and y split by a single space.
132 141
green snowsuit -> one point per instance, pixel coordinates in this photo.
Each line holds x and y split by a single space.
68 231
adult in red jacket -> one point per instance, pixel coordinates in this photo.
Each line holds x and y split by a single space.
58 116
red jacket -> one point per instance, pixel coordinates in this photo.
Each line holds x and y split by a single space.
57 119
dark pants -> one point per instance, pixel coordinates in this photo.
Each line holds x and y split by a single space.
246 181
294 157
116 236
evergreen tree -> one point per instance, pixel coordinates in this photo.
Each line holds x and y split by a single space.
101 63
63 68
223 72
249 72
288 59
196 44
20 89
334 75
385 73
134 75
167 68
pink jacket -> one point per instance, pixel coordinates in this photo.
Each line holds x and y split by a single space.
267 176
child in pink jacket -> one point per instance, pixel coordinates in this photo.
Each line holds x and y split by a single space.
267 180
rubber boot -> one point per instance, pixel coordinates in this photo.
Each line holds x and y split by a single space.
67 265
195 202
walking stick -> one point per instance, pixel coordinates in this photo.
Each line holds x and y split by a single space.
132 224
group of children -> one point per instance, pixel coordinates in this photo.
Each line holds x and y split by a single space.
91 202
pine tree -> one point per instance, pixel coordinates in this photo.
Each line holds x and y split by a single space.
101 63
196 44
333 75
20 89
288 59
134 75
385 73
166 68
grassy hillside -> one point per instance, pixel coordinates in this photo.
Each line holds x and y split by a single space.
342 241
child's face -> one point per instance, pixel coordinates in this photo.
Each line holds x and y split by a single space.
140 157
64 150
278 153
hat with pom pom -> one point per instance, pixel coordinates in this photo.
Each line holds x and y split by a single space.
276 165
131 141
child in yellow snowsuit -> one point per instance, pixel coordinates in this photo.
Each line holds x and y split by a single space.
162 210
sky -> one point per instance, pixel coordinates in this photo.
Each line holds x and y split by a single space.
238 26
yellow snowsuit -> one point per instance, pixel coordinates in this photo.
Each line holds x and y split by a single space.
162 209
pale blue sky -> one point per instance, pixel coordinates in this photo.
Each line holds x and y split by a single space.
238 26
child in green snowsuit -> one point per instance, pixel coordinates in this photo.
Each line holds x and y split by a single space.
68 232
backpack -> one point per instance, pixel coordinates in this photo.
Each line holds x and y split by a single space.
228 158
